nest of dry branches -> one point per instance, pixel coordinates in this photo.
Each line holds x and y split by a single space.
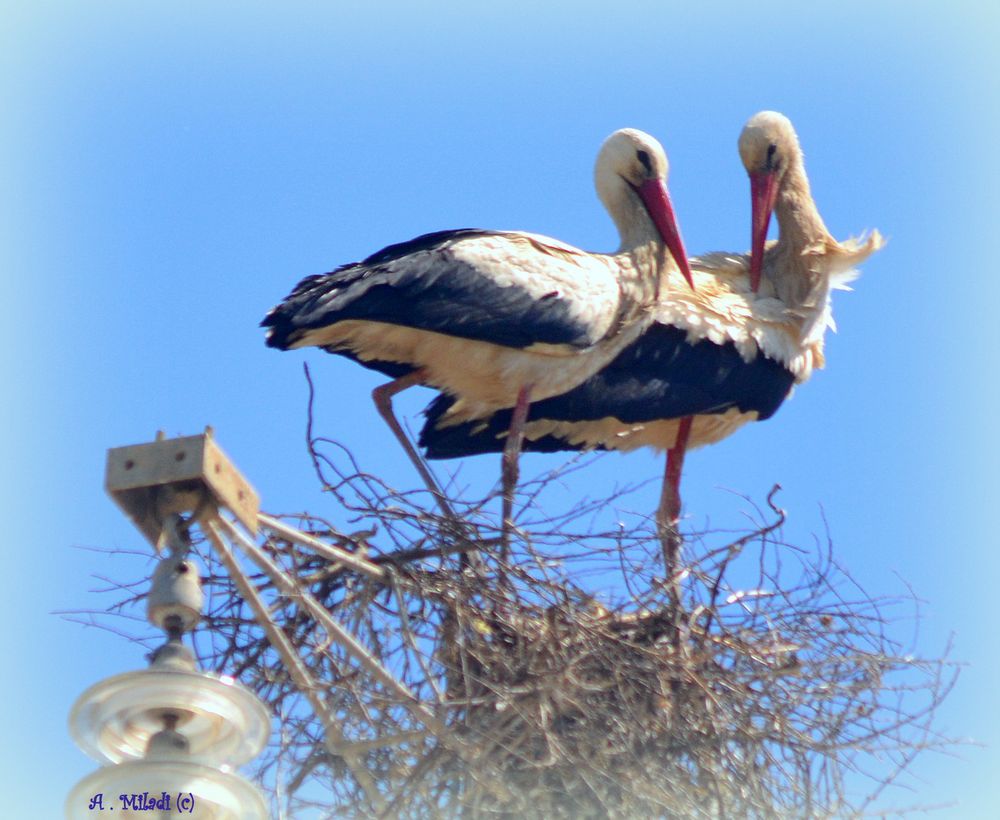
573 680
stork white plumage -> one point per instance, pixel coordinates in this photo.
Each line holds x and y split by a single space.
497 318
722 353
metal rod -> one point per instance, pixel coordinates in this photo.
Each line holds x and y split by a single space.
335 740
392 740
333 628
341 556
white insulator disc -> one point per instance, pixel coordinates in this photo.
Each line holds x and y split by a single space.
222 720
164 788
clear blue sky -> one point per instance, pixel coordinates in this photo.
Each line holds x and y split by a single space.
169 171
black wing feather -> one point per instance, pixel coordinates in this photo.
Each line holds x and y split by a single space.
449 297
660 376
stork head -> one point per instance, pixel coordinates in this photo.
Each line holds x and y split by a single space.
631 179
768 147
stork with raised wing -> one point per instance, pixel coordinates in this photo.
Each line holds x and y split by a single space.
718 355
496 319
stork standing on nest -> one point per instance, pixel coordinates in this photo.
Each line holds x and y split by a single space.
718 355
496 319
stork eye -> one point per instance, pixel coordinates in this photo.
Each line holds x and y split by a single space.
643 157
772 149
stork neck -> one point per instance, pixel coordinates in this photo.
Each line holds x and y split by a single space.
623 204
635 227
799 222
641 242
798 283
652 263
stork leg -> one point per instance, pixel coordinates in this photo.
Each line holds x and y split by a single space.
510 469
382 397
669 512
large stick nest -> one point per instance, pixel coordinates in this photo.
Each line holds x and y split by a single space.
574 680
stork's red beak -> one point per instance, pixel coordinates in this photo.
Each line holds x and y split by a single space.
657 201
763 192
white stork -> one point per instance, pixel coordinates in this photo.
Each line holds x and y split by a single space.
718 355
497 318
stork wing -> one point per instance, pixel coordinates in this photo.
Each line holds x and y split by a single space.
511 289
